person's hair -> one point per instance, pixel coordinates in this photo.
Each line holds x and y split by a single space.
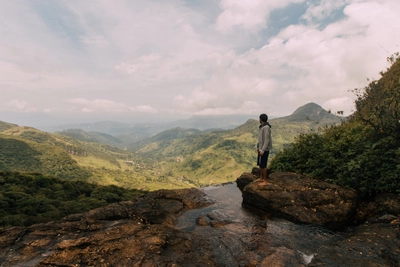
263 117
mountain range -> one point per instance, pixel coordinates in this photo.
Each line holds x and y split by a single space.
173 158
135 132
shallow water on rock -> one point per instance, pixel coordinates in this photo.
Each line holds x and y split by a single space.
228 215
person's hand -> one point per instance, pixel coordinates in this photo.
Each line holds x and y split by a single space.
261 153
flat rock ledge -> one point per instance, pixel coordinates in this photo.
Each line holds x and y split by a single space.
300 199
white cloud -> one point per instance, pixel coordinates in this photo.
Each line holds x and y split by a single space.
247 107
339 104
230 90
250 15
323 9
104 105
94 40
51 110
142 64
309 64
143 109
20 105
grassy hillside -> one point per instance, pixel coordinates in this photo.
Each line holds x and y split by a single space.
26 149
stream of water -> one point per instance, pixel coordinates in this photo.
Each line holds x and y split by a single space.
305 239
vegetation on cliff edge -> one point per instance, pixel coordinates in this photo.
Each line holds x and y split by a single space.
362 153
31 198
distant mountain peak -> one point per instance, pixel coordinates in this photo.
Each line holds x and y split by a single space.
308 108
311 111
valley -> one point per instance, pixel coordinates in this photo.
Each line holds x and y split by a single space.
174 158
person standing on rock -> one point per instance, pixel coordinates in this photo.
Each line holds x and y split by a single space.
264 145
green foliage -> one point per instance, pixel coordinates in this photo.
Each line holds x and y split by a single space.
378 105
363 153
26 199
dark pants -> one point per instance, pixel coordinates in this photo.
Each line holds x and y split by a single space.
263 160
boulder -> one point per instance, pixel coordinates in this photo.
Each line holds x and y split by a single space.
301 199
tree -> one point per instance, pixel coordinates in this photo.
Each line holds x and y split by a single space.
378 104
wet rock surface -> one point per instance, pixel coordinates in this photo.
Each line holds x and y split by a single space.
370 233
376 244
131 233
301 199
201 227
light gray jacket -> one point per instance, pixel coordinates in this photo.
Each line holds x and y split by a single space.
264 138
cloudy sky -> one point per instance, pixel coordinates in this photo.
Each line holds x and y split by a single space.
133 60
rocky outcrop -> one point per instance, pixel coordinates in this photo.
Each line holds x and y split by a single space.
300 199
130 233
